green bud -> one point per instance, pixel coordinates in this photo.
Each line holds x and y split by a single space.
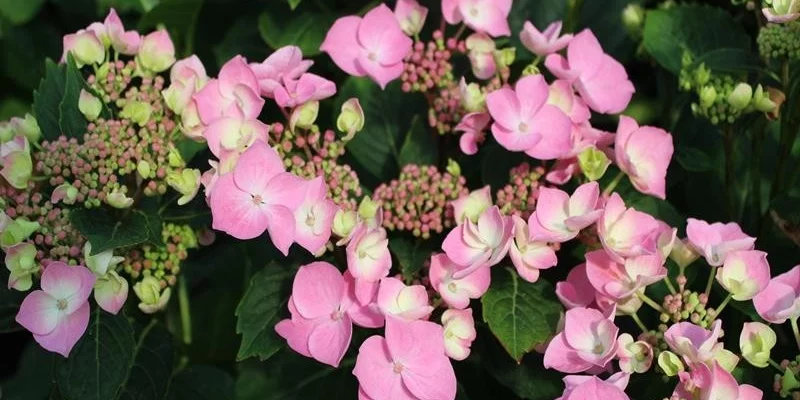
633 19
344 222
670 363
21 262
788 382
151 298
143 168
101 263
351 118
756 343
707 96
472 98
17 168
16 231
186 182
137 111
702 75
89 105
368 208
505 57
593 163
531 69
174 157
27 126
304 116
761 100
6 132
741 96
118 199
453 168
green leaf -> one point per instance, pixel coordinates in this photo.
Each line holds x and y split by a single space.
520 314
497 162
178 16
411 254
47 99
260 310
693 159
149 375
188 148
19 12
242 38
527 379
12 107
604 18
202 382
9 305
71 121
106 232
293 3
28 381
420 145
695 29
389 115
24 48
99 363
305 30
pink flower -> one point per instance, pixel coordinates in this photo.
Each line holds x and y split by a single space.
715 241
527 255
405 302
233 94
373 46
229 135
643 153
488 16
410 363
459 333
544 43
524 122
589 340
562 171
484 244
368 260
314 217
587 387
782 11
320 326
85 47
112 32
309 87
780 300
744 274
257 196
411 16
620 280
365 314
625 232
559 217
187 76
600 79
576 291
457 292
481 55
698 345
285 64
562 96
156 51
473 205
634 356
58 314
473 125
713 383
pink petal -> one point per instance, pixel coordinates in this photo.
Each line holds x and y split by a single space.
554 127
38 313
414 342
576 290
341 44
236 72
71 283
436 381
67 332
234 212
374 370
585 54
329 341
380 73
561 357
280 227
296 332
256 167
318 290
504 108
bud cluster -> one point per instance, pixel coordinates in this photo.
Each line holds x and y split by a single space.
786 384
429 65
780 41
162 262
418 201
686 305
518 197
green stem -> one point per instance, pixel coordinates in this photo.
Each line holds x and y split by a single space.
186 315
724 303
776 365
639 322
796 331
573 14
650 302
710 282
669 284
613 185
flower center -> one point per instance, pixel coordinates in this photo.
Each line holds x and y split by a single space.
473 12
452 287
523 127
337 315
62 304
372 57
398 368
257 199
310 220
598 349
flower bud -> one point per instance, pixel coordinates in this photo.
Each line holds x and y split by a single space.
102 262
756 342
137 111
472 98
453 168
351 119
174 157
633 19
481 55
118 199
156 51
744 274
111 291
368 208
762 101
26 126
531 69
670 363
593 163
178 95
85 47
151 298
459 333
89 105
634 356
777 97
708 95
143 168
304 116
725 358
21 262
15 231
702 75
344 222
17 168
740 97
411 16
186 182
683 254
505 57
472 205
788 382
64 193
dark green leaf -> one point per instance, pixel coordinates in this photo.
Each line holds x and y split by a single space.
520 314
106 232
497 161
152 365
98 365
305 30
695 29
9 305
178 16
19 12
527 379
12 107
28 382
389 114
729 60
260 310
411 254
72 122
188 148
604 18
692 159
242 38
47 99
419 146
201 382
23 50
293 3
